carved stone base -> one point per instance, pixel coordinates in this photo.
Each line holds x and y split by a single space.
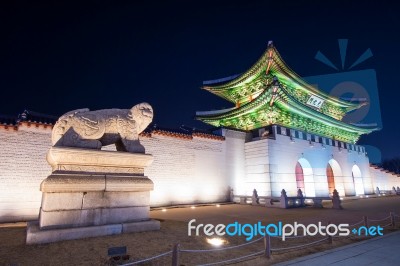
76 182
67 159
74 200
90 217
37 236
92 193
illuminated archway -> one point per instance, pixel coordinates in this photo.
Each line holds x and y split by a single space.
299 176
357 180
305 177
334 177
331 179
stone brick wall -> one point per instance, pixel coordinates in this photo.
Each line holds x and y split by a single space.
23 166
258 168
189 170
271 163
184 171
234 159
384 180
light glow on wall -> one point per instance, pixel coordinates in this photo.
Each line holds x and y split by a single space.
358 182
309 188
338 176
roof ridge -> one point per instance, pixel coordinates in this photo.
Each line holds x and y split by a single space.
34 113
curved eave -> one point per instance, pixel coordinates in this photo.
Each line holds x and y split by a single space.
280 66
294 106
248 107
216 82
220 94
288 102
213 113
243 78
357 106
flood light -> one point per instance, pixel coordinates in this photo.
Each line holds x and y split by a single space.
216 241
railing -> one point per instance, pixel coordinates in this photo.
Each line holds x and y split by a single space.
149 259
268 249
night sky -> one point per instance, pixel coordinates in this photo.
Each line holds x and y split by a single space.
57 57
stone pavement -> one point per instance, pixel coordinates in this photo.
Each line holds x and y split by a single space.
384 250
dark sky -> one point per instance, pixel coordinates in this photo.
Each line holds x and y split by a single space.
57 56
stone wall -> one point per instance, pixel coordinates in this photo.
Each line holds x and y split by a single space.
258 168
23 166
184 171
234 159
193 168
384 180
271 163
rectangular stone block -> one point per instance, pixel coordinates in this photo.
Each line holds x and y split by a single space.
36 236
111 199
90 217
73 183
128 183
71 156
62 201
149 225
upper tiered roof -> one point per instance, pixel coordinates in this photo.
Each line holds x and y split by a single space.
271 93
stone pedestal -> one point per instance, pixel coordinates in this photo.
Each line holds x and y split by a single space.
93 193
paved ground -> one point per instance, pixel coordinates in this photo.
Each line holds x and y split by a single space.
382 250
353 212
378 251
174 229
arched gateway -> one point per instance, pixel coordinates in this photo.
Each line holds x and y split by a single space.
305 177
334 177
357 180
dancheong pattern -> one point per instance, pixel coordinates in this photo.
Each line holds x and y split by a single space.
271 93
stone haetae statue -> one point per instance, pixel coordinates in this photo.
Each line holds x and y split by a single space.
91 192
93 129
